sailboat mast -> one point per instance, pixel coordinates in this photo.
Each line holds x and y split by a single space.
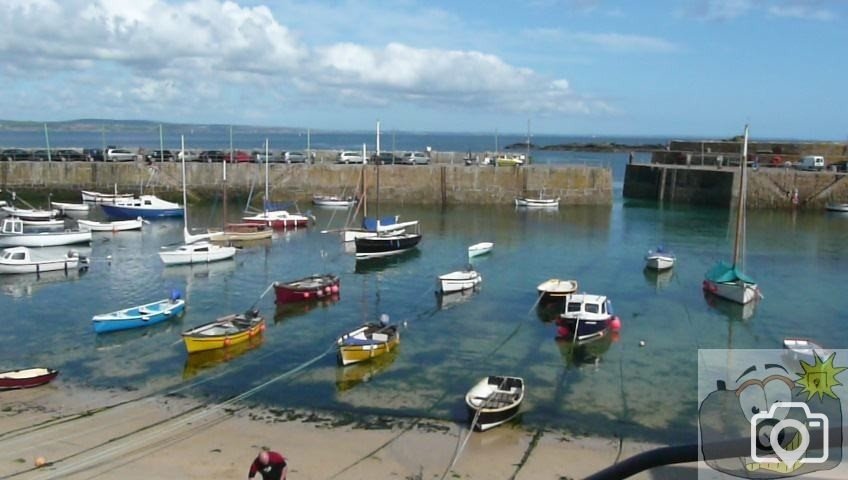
185 198
232 155
265 203
739 240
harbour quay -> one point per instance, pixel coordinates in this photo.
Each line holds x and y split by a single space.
435 184
706 173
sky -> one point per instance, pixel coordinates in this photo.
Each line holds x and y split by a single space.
701 68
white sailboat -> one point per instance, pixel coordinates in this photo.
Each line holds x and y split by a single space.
729 280
277 218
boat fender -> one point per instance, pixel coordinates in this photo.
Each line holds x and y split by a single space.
305 294
615 324
563 331
710 287
335 288
262 327
328 290
319 292
227 342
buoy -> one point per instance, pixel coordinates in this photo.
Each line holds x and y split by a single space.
305 294
641 343
335 288
227 342
40 461
562 331
615 324
328 290
319 292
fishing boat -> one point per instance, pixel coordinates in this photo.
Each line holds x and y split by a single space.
385 244
145 206
493 401
313 287
116 226
368 341
587 316
224 332
481 248
728 280
556 290
659 259
333 201
26 378
12 234
541 202
140 316
24 260
97 197
459 280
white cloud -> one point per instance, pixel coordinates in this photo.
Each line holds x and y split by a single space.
804 12
731 9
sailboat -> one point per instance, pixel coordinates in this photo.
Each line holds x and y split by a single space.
196 249
728 280
238 232
275 218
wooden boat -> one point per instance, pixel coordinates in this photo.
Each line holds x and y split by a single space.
116 226
200 252
459 280
12 234
70 207
240 232
313 287
481 248
836 207
24 260
140 316
659 259
368 341
145 206
26 378
385 245
556 290
224 332
333 201
493 401
728 280
586 316
30 213
97 197
537 202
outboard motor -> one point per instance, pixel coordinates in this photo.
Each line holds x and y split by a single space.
175 295
384 319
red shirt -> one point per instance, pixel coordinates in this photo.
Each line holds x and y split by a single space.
272 471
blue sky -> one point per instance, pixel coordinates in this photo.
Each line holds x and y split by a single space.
700 68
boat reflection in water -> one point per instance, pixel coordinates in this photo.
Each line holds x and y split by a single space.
448 300
378 264
120 338
204 360
658 279
352 375
549 311
26 284
731 309
288 310
587 352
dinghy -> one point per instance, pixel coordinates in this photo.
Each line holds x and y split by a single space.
481 248
368 341
224 332
140 316
459 281
493 401
26 378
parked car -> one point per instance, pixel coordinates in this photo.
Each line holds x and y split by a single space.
260 157
93 154
120 155
68 155
415 158
294 157
811 162
237 157
15 154
349 156
190 156
385 158
210 156
160 156
42 156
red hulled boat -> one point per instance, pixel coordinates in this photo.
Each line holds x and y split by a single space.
26 378
310 288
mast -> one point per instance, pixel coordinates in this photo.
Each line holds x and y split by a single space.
739 239
265 203
185 200
378 139
232 155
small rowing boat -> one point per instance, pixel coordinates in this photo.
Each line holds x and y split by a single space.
140 316
26 378
481 248
224 332
493 401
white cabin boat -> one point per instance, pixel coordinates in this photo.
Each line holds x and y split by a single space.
12 234
24 260
200 252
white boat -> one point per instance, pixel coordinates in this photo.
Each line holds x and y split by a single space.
12 234
728 280
97 197
555 289
333 201
194 251
30 213
117 226
481 248
24 260
70 207
659 259
493 401
145 206
804 349
837 207
46 224
351 234
537 202
586 316
459 281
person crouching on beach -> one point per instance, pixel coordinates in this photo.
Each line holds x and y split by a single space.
271 465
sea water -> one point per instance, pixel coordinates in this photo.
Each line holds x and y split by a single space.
613 387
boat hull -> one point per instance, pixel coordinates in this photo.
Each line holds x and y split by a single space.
314 287
118 226
459 281
493 401
353 350
26 378
44 239
537 202
278 220
659 262
65 263
739 291
222 333
214 253
138 317
385 245
129 212
480 249
582 329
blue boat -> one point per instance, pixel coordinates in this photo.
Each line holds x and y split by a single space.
145 206
140 316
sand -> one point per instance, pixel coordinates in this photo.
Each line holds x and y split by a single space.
86 434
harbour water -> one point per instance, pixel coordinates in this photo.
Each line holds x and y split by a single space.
613 387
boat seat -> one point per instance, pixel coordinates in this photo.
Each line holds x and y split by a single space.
145 311
380 337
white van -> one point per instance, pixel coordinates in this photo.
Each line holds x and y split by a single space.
811 162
